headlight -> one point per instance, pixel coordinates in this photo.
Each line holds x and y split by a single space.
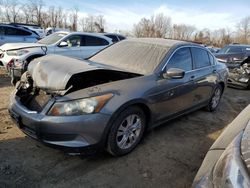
80 106
17 52
245 80
230 171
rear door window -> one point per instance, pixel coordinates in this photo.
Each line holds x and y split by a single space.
94 41
200 58
181 60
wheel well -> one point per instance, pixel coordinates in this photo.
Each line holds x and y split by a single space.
146 111
142 106
222 85
29 59
33 57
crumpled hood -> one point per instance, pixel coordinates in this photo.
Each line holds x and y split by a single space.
231 57
52 72
16 46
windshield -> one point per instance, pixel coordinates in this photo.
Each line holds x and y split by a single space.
51 39
231 49
132 56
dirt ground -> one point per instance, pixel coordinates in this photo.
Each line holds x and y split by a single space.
169 156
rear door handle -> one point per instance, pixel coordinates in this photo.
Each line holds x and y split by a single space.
214 71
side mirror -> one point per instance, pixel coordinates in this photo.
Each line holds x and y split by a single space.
174 73
63 44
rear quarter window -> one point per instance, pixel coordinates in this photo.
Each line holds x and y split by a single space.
200 58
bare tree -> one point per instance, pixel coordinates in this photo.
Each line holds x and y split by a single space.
11 9
244 30
99 23
74 19
157 26
161 25
183 32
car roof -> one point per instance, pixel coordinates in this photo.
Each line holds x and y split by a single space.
163 42
115 34
239 45
16 26
89 34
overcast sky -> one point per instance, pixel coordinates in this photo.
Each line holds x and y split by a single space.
212 14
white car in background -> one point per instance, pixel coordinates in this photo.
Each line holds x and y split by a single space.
16 56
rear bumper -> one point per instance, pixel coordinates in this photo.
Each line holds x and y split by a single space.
74 134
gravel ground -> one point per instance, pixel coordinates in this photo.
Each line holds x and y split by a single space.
169 156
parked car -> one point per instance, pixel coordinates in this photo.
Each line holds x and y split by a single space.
115 37
36 28
237 59
109 100
233 53
14 34
227 163
16 57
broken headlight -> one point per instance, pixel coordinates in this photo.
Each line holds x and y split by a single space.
80 106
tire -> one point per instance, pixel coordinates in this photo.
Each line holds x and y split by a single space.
248 87
215 99
126 131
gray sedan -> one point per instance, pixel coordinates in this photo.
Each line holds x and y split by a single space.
109 100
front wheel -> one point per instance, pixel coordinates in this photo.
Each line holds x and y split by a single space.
215 100
126 131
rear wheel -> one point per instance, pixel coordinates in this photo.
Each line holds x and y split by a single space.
215 100
126 131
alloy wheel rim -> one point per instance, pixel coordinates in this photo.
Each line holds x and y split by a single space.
216 98
129 131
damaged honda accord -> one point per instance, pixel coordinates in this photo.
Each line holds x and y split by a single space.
111 99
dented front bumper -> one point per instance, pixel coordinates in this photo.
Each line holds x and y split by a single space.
73 134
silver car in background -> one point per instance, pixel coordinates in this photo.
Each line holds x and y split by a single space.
15 34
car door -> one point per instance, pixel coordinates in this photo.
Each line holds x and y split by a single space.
15 35
92 45
73 48
205 75
173 96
